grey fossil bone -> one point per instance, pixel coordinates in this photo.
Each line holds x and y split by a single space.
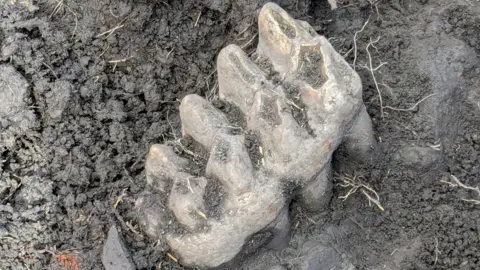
256 200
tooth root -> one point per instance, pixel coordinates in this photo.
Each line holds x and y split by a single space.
238 77
360 141
280 230
315 195
201 120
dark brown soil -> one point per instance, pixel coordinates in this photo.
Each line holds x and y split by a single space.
100 100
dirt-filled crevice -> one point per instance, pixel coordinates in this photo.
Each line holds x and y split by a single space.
105 79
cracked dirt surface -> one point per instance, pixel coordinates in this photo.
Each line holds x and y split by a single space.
95 101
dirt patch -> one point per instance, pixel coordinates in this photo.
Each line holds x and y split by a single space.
104 83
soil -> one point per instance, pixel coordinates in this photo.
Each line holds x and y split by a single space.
104 83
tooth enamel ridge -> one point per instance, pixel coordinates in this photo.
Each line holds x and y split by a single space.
300 117
284 26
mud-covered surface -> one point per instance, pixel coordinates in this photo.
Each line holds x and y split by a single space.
103 83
